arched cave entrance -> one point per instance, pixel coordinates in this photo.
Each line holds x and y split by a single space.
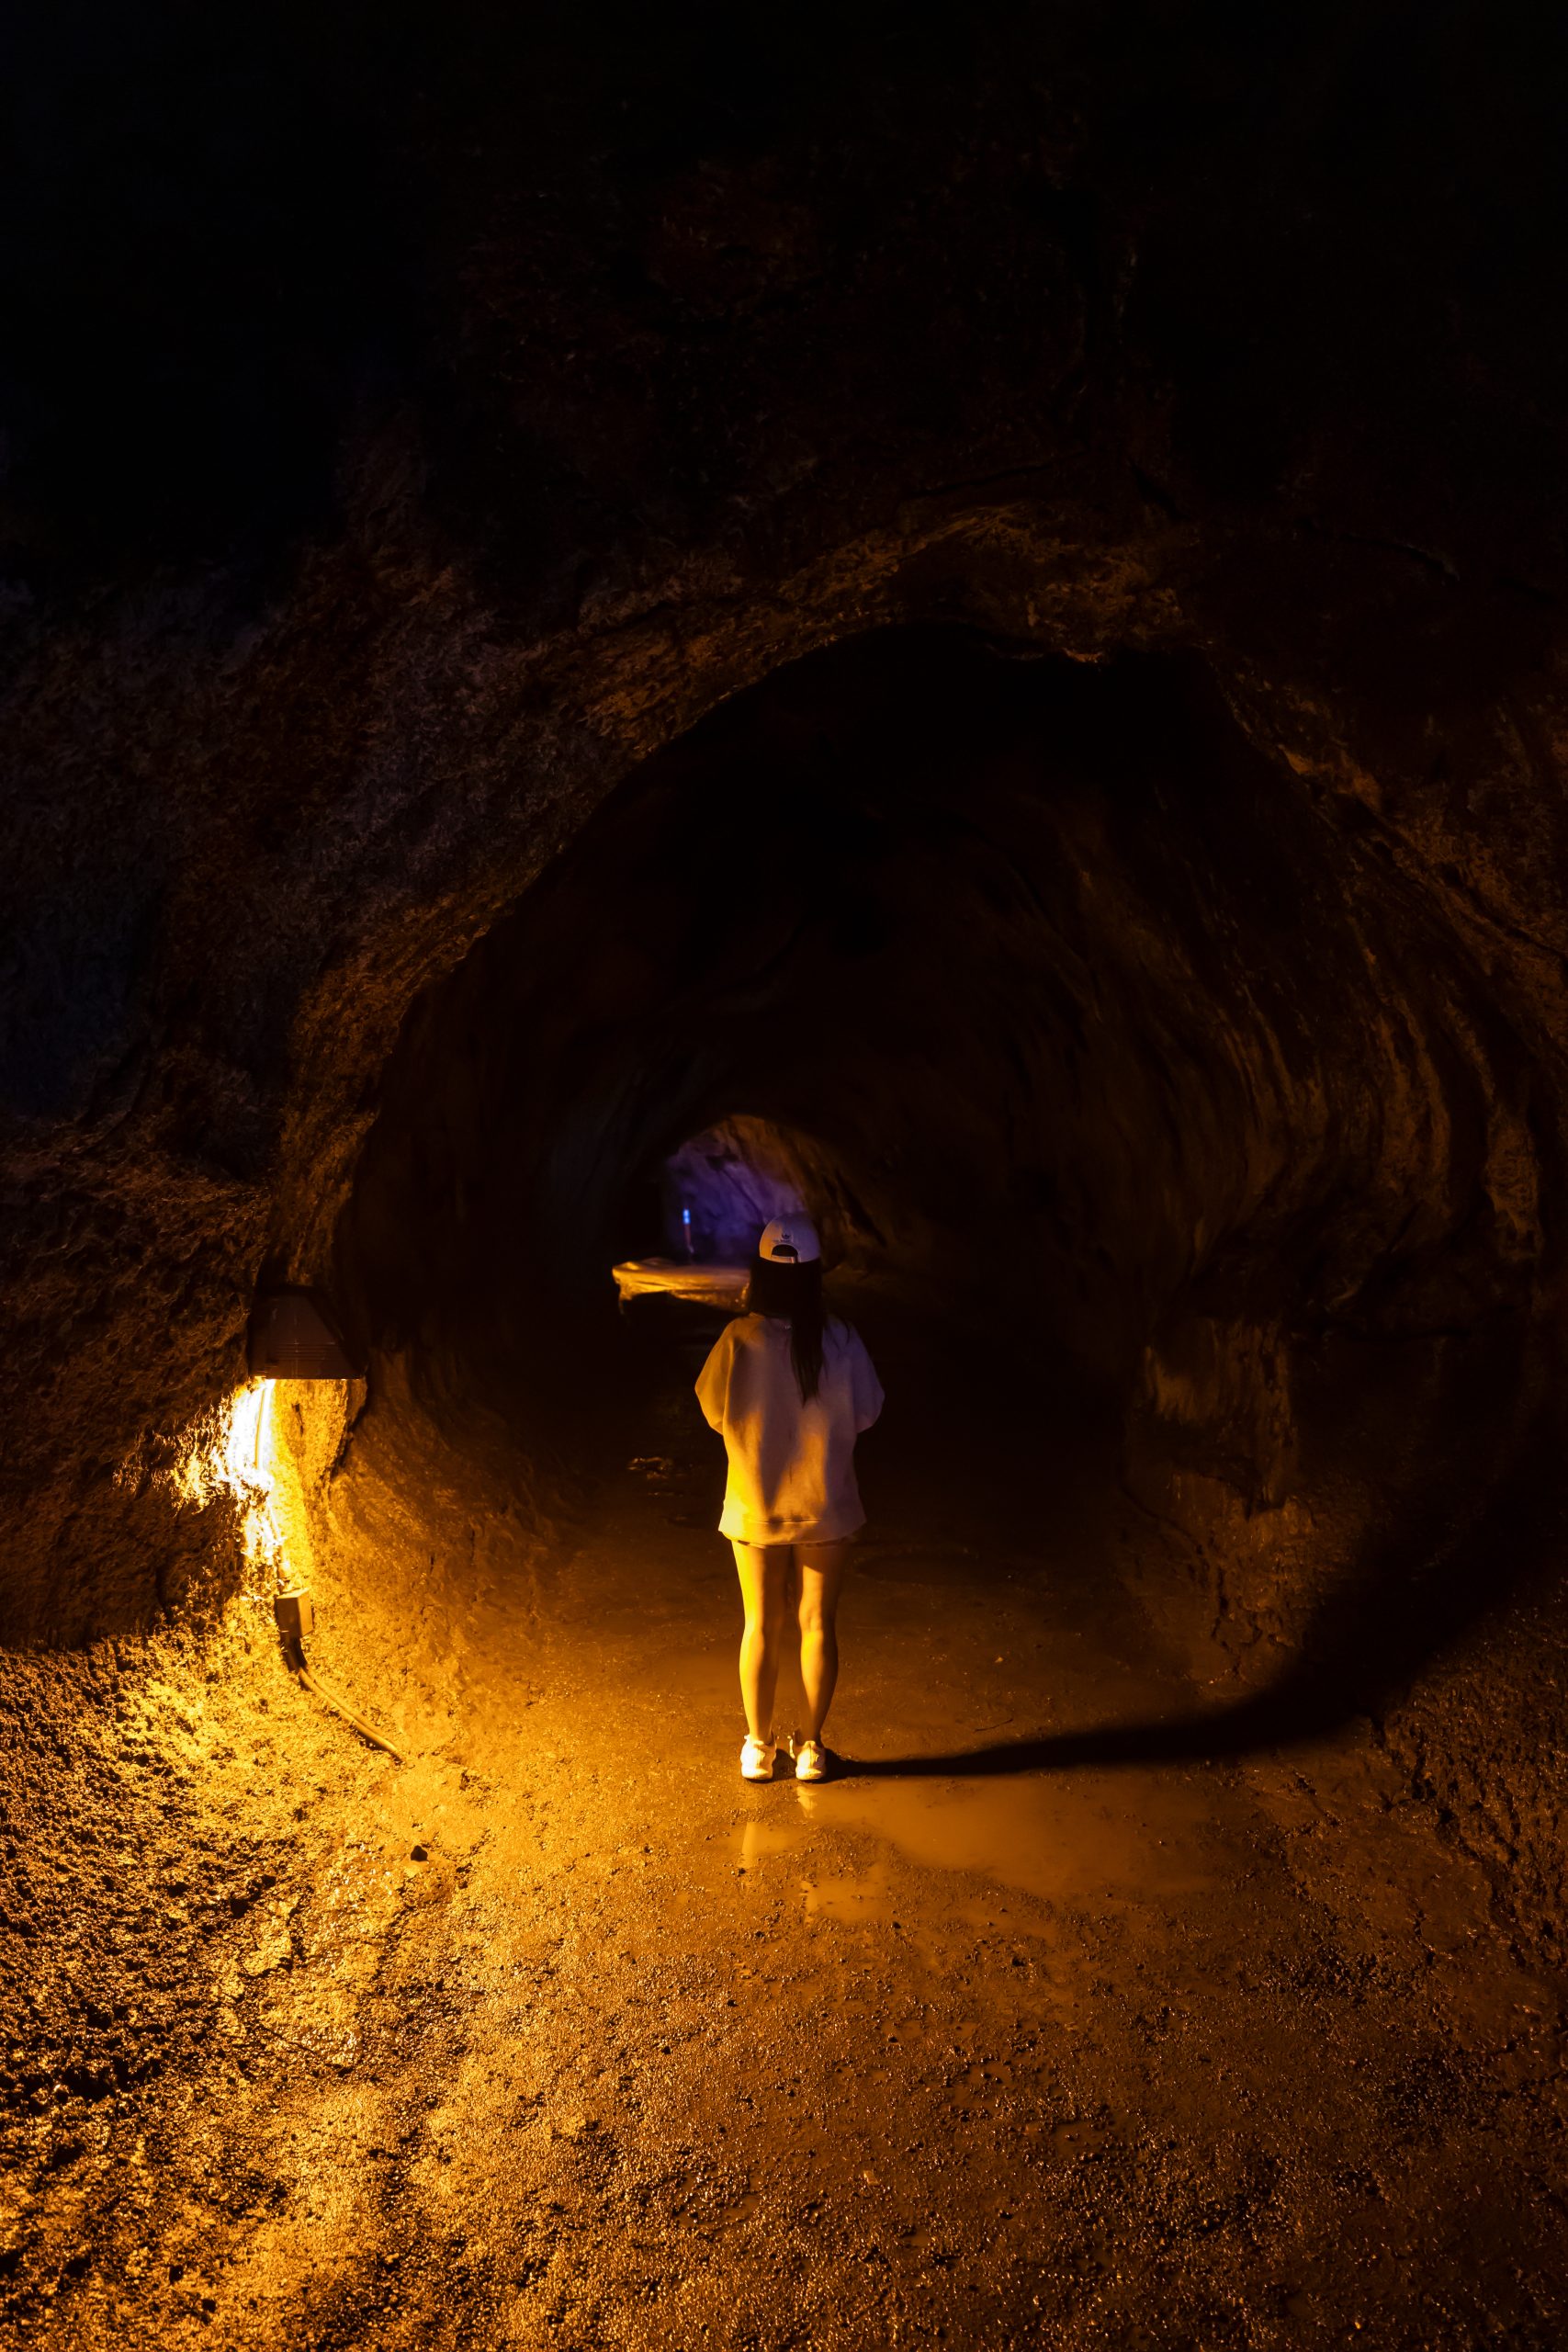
1162 1133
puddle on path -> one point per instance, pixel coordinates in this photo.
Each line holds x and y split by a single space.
1096 1840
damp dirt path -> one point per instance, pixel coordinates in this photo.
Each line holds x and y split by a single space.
565 2036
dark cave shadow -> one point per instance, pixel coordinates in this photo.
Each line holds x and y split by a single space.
1417 1588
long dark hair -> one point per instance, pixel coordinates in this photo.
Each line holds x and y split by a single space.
792 1293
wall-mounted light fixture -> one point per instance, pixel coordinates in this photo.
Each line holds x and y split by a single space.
291 1339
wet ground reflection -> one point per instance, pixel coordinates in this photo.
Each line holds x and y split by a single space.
1092 1838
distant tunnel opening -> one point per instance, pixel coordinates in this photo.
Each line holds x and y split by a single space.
721 1187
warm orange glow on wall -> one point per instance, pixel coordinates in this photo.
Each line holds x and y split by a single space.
266 1447
235 1454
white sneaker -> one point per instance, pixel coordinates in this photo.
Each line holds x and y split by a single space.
757 1759
811 1760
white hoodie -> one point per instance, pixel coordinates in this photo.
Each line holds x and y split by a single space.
792 1473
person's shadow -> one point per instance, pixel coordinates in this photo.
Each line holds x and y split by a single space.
1439 1569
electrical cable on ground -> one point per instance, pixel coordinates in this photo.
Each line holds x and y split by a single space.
295 1618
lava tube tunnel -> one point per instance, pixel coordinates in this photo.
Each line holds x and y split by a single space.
784 962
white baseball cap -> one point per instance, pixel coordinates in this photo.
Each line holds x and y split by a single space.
790 1241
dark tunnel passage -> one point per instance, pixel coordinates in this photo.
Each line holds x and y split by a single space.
1013 951
1022 944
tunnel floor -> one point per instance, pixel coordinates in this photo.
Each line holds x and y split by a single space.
566 2036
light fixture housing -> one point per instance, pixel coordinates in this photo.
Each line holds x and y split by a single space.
291 1339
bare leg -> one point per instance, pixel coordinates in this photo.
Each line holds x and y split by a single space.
821 1579
764 1581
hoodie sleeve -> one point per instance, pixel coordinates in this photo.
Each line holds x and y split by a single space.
713 1381
865 1386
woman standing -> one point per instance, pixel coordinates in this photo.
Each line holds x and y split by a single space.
789 1391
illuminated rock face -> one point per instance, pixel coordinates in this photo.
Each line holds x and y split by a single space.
1223 386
